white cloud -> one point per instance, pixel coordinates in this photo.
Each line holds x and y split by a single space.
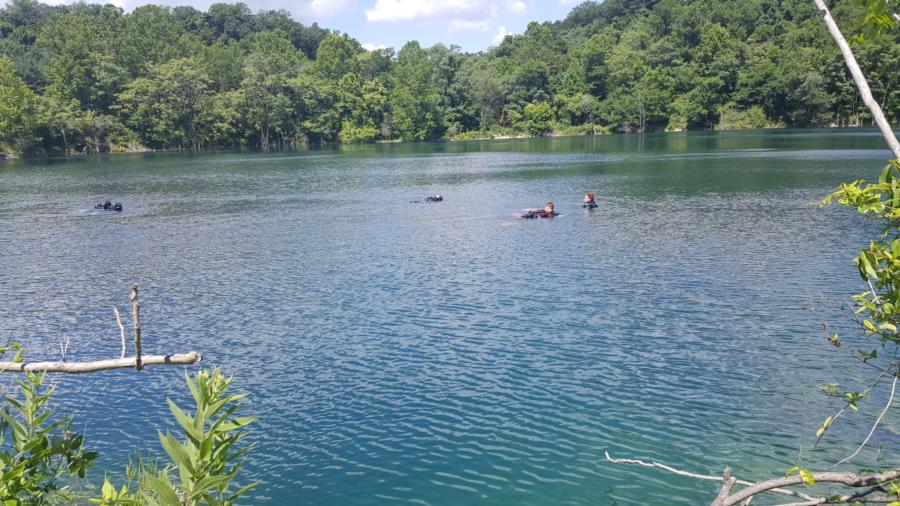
435 10
457 25
304 10
501 34
457 15
315 9
516 6
368 46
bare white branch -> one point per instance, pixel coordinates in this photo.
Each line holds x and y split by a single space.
189 358
64 347
121 330
877 421
687 474
848 479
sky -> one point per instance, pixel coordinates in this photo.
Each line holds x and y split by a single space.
474 25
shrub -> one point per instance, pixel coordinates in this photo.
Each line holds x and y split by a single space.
538 118
352 134
205 462
36 450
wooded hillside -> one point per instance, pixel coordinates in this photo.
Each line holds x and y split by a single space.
86 78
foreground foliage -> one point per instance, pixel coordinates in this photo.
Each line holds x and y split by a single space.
37 450
879 267
40 454
85 78
205 462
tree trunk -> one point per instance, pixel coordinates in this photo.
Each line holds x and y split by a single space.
189 358
864 90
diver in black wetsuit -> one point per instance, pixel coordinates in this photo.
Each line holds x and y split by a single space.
589 201
108 206
546 212
432 198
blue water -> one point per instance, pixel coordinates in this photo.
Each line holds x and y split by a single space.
451 353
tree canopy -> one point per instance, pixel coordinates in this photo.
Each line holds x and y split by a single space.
82 78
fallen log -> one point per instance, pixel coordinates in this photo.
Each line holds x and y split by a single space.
189 358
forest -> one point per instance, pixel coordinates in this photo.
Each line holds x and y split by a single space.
89 78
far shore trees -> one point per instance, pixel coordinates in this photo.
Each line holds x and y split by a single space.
877 313
100 79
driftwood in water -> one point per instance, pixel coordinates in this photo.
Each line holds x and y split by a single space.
138 361
189 358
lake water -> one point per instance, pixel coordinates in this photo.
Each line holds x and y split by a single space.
451 353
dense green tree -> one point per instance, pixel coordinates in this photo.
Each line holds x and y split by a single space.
266 99
105 79
415 101
336 56
151 35
164 108
18 109
538 118
82 64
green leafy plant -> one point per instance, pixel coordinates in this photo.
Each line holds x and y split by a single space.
877 307
209 457
36 450
109 496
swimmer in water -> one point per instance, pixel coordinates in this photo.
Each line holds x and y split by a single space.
546 212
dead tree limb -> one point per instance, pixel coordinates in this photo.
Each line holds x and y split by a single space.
687 474
872 482
189 358
848 479
877 421
861 496
860 80
121 330
726 487
137 361
136 315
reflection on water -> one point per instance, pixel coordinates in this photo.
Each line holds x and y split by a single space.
450 353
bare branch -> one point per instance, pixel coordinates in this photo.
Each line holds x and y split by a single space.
726 487
861 496
861 83
844 409
877 421
121 330
64 347
136 316
189 358
679 472
875 297
848 479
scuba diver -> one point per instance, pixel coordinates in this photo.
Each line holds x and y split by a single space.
546 212
432 198
108 206
589 201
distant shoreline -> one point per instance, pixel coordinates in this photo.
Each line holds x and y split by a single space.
455 139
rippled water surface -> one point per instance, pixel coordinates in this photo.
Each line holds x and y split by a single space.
451 353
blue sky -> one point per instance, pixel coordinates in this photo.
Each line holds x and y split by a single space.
473 25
